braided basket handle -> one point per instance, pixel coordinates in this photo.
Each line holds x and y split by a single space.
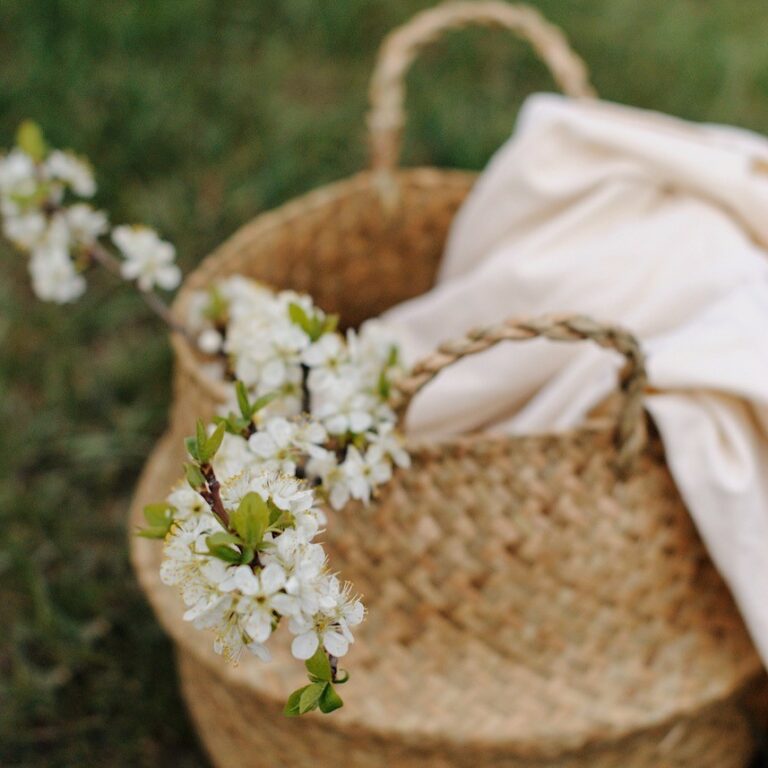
630 427
386 117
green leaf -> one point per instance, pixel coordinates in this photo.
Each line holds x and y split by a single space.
316 325
394 356
331 323
194 476
29 139
214 442
299 316
153 532
242 400
201 437
274 512
192 448
160 519
319 665
221 538
330 700
262 402
251 519
158 514
227 554
247 556
36 197
385 388
310 697
232 423
217 307
279 519
341 676
293 703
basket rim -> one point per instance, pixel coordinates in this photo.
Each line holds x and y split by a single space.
167 608
187 360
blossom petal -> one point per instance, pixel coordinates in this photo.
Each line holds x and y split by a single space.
260 651
304 646
335 643
286 605
272 578
259 626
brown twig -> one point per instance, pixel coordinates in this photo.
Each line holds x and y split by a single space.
212 495
306 398
104 258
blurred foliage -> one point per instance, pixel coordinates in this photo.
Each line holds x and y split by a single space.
198 114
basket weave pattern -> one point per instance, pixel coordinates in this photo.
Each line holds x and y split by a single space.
534 602
596 665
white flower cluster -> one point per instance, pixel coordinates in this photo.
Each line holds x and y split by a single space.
329 415
38 217
243 601
147 259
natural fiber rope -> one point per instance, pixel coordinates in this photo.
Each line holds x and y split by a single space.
630 429
387 89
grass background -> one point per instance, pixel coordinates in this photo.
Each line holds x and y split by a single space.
198 114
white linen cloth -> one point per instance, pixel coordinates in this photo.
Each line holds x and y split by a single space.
641 220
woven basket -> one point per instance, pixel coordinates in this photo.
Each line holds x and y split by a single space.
534 602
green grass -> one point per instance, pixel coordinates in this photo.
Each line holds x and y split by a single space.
198 114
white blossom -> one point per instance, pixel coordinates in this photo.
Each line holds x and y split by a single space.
260 589
389 443
304 563
327 358
186 563
232 458
18 174
210 341
344 408
85 224
25 230
346 381
287 493
324 434
281 443
187 503
274 445
71 170
330 626
148 259
54 277
241 604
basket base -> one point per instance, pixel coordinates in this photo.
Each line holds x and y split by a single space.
717 738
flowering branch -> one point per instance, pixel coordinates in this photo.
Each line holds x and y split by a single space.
309 423
308 416
244 559
63 238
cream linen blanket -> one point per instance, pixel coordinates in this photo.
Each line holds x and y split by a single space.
645 221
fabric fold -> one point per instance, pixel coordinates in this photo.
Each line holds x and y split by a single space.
640 220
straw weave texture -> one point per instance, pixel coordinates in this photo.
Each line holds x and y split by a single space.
534 602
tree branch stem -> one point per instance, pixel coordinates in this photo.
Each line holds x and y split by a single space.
213 495
103 257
